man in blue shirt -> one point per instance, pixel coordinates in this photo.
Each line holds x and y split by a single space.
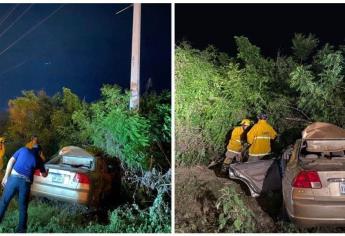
35 147
18 178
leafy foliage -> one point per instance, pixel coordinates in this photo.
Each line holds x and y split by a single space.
193 99
212 97
141 140
66 131
157 109
234 216
113 127
321 90
303 46
45 217
28 115
132 219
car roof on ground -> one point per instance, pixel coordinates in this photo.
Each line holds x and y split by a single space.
322 130
74 151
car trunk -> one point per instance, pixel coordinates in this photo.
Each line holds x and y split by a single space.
323 151
68 178
332 176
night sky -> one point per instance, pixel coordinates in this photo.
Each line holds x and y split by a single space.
81 46
269 26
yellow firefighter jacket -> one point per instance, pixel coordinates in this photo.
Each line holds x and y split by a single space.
235 140
2 154
259 137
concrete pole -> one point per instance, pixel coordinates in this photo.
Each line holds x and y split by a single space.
135 61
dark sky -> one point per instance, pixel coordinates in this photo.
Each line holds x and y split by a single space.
81 46
269 26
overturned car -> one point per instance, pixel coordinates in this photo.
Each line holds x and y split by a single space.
311 175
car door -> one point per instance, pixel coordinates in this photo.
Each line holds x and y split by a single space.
260 176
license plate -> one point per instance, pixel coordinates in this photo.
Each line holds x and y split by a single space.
342 187
57 178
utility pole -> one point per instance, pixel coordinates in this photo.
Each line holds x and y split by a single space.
135 60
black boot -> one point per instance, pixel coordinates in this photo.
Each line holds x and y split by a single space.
225 168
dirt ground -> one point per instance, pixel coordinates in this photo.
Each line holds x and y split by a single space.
196 194
197 190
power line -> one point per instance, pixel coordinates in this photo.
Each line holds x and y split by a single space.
124 9
8 14
31 29
16 20
13 67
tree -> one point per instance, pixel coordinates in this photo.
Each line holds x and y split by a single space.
113 127
211 97
303 46
321 85
61 118
28 115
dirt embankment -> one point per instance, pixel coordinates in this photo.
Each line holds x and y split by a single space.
197 190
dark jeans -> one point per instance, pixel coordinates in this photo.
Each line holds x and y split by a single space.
16 184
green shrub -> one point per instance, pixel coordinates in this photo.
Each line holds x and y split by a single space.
157 110
113 127
140 139
55 217
44 218
200 107
234 215
131 219
215 92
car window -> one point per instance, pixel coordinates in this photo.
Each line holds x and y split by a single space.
305 154
78 162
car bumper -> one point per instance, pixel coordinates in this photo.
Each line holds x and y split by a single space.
310 213
63 194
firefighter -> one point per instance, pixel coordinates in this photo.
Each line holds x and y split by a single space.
259 138
235 145
2 152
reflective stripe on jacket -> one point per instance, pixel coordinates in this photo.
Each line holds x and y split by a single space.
259 137
235 140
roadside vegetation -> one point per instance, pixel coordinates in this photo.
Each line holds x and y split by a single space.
215 91
139 140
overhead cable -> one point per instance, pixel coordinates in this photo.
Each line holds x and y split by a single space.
16 20
30 30
8 14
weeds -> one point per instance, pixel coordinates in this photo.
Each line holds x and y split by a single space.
234 215
53 217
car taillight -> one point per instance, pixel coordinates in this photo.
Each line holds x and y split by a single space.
37 172
307 179
81 178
